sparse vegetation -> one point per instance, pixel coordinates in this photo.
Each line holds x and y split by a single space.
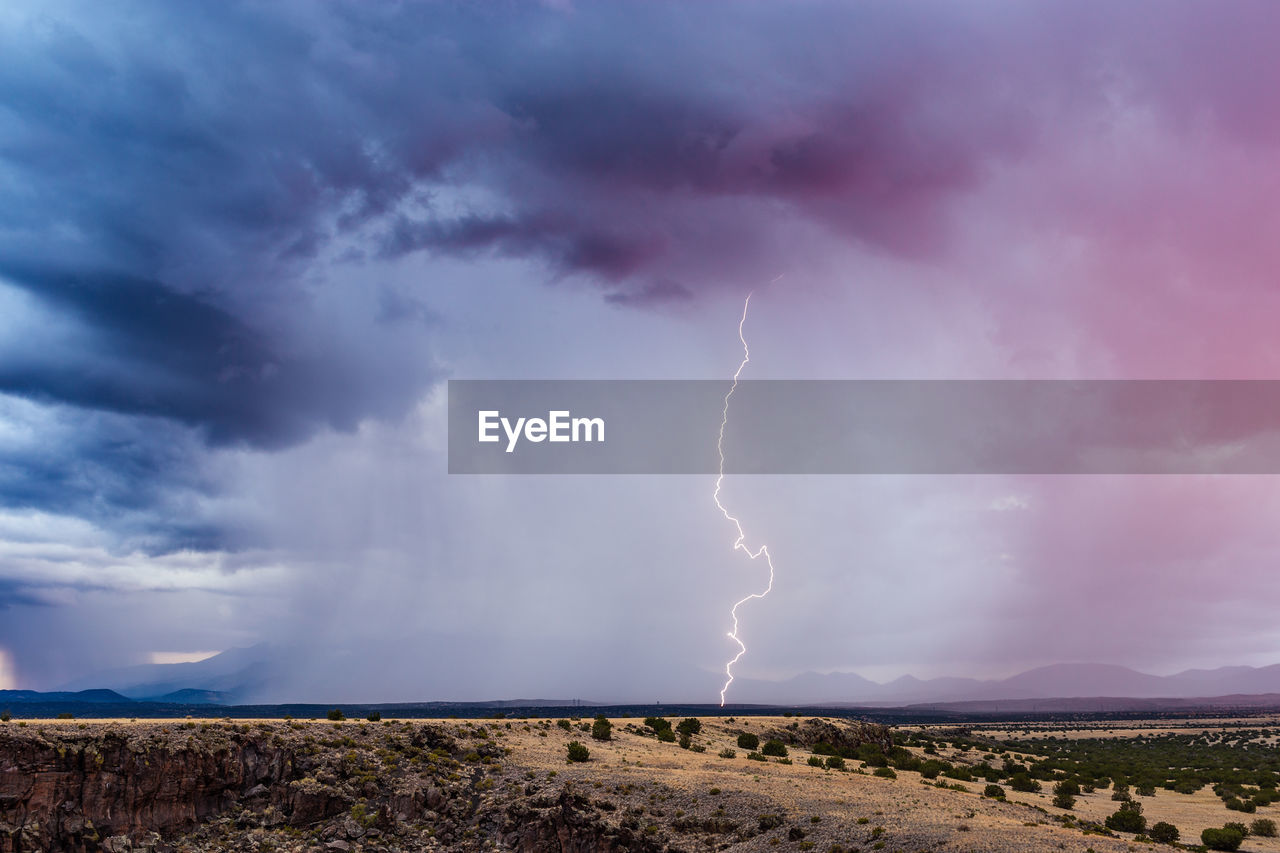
578 752
1127 819
1226 838
775 748
1164 833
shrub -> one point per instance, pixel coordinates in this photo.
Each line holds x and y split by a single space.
578 752
336 715
775 748
1064 793
1227 838
815 760
1164 833
728 753
835 762
1128 819
689 726
931 768
755 756
1146 790
601 729
886 773
658 724
769 821
994 791
686 742
564 724
66 715
1024 783
666 735
1264 827
746 740
5 716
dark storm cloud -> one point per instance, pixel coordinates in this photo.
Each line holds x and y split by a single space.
178 179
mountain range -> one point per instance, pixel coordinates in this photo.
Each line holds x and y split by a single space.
244 675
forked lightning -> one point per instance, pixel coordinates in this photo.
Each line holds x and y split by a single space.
738 545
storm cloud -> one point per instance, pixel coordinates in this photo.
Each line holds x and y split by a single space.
243 244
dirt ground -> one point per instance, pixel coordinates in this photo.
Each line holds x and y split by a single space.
698 800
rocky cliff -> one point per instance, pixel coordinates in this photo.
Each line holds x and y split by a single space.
216 786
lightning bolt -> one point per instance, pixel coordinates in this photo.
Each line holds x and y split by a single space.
738 545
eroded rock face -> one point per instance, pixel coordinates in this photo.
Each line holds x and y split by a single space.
840 734
70 791
211 786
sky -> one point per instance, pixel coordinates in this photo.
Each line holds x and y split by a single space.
244 246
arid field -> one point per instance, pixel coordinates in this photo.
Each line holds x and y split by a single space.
294 785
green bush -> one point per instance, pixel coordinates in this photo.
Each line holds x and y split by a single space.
728 753
578 752
5 716
993 791
755 756
1128 819
746 740
374 717
931 768
815 760
775 748
658 724
886 773
601 729
1227 838
1164 833
1064 793
666 735
336 715
564 724
689 726
1024 783
686 742
1264 827
835 762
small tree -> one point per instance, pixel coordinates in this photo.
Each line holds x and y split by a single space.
658 724
1263 827
775 748
689 726
578 752
374 716
993 791
1024 783
746 740
601 729
835 762
1164 833
336 715
1128 819
1227 838
666 735
1064 793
